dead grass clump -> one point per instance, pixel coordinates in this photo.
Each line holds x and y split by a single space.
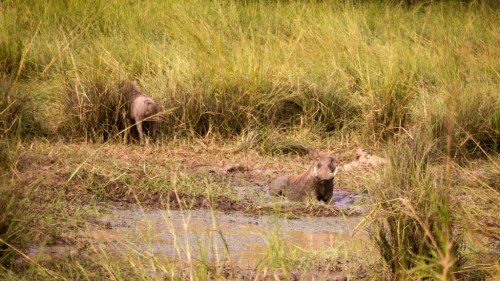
18 116
206 110
388 110
303 104
18 120
96 110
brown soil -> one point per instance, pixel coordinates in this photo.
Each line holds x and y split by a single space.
177 201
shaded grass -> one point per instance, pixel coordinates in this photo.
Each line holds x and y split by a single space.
19 117
466 118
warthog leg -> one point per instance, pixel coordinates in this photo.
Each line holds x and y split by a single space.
154 128
141 133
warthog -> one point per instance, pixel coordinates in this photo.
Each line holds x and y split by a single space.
142 109
316 182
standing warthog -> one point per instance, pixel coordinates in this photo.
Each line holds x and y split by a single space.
316 182
142 109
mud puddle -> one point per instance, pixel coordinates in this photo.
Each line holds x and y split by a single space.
239 238
235 238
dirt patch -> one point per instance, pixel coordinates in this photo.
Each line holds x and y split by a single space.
175 201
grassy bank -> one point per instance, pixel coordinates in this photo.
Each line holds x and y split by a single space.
224 67
260 79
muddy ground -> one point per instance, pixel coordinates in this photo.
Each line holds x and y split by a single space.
131 185
130 175
237 244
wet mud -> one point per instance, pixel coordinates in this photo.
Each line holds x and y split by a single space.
233 232
250 184
237 242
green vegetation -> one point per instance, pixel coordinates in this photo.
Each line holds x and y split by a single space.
427 214
223 67
418 80
415 234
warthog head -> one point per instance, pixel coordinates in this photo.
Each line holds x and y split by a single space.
324 167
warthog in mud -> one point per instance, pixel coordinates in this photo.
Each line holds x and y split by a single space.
316 182
142 109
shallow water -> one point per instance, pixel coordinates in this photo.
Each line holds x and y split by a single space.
214 236
236 238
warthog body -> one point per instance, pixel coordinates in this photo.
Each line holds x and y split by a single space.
142 109
315 183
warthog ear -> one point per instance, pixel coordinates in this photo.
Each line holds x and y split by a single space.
335 156
313 153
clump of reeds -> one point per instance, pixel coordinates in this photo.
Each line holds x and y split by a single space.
95 110
18 116
413 227
18 120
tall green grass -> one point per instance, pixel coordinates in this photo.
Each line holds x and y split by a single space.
434 218
414 228
464 119
222 67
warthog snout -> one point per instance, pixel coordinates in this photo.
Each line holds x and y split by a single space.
326 180
324 167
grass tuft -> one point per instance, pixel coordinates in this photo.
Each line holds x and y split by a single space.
414 224
19 118
470 117
96 110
